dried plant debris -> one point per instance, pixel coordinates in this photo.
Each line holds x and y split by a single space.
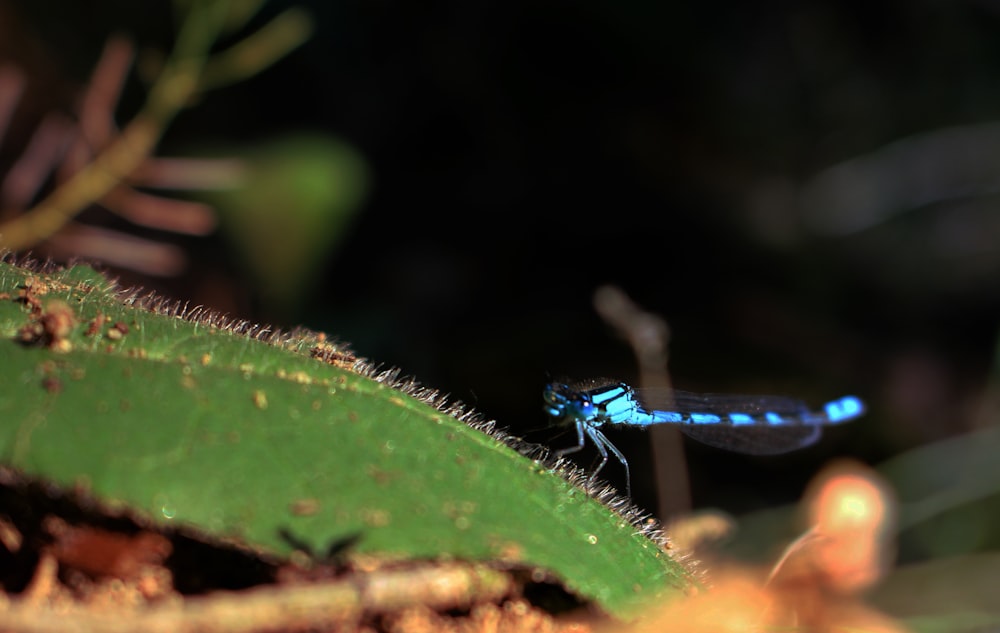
66 557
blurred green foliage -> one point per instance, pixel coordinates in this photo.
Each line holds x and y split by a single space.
291 208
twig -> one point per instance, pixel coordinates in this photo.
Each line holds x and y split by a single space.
441 586
169 94
103 91
48 145
12 82
284 33
187 72
648 335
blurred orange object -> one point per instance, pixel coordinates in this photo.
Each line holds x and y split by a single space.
814 586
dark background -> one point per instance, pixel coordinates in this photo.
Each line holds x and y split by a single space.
524 153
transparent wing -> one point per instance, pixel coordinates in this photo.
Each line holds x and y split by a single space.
753 440
719 403
797 429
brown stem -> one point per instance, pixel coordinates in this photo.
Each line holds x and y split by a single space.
172 91
439 586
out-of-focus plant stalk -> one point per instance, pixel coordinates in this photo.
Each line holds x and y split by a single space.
188 71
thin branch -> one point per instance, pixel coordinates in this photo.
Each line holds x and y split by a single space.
274 40
103 91
12 82
89 184
157 212
299 607
173 89
117 249
181 79
48 145
210 174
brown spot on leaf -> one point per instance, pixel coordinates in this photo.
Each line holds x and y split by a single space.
117 331
50 327
333 355
95 325
375 517
52 384
304 507
31 292
259 399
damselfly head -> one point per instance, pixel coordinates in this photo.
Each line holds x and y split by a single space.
565 403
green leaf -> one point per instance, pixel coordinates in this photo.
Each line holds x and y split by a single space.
290 211
201 424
